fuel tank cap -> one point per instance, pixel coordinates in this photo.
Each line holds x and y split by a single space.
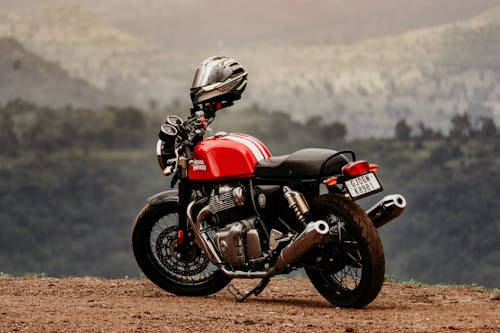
220 134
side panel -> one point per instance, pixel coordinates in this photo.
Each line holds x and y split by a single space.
226 156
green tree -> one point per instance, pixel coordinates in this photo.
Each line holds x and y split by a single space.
487 127
8 140
335 131
326 133
428 133
403 130
461 126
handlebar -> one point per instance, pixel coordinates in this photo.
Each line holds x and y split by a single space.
180 137
187 151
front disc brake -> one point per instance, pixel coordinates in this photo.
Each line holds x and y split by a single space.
192 262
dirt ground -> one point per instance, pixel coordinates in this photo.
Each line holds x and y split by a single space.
287 305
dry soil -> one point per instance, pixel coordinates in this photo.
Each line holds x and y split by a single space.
287 305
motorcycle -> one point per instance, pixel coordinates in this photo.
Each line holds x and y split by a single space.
239 212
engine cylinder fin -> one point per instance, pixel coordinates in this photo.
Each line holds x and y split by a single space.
221 202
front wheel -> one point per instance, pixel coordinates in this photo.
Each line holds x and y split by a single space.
349 266
154 241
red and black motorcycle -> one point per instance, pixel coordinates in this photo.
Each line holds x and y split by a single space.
239 212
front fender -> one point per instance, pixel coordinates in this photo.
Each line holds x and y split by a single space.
162 197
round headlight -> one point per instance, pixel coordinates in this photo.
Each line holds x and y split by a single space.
166 145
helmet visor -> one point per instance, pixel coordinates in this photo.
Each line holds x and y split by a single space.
210 74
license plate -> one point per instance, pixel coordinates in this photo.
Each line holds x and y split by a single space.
363 185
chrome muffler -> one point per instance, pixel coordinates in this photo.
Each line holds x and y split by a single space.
386 210
313 234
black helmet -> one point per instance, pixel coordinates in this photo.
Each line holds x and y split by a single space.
218 79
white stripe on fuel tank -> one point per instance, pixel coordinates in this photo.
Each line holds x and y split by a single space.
249 144
262 148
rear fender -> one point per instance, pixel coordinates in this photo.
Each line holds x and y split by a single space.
163 197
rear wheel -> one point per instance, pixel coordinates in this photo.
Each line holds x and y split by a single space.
349 266
154 241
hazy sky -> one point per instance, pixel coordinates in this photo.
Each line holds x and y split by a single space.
201 23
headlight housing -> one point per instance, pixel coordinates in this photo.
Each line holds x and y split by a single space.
165 147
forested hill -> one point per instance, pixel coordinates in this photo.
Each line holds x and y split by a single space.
72 181
27 75
445 62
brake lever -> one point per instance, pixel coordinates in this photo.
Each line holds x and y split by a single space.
170 169
173 169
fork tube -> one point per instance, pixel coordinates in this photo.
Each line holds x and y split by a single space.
184 199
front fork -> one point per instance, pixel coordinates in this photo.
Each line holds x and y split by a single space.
182 225
184 199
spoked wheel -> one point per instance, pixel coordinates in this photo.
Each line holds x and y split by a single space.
350 265
154 241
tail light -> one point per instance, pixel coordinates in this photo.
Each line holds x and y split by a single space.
357 168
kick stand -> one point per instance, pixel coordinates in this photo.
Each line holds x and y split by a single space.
240 297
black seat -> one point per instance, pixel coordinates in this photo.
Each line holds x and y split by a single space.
305 163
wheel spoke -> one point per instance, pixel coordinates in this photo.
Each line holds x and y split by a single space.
348 277
354 259
350 272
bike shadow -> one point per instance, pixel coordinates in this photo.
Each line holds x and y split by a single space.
309 303
285 301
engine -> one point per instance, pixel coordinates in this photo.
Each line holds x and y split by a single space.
238 240
230 203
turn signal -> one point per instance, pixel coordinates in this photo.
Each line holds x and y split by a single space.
373 168
330 181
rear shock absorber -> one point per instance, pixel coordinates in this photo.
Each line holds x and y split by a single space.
297 203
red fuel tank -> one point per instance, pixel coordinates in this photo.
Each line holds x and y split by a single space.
226 156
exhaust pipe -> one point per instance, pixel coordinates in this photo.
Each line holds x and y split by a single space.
201 239
313 234
386 210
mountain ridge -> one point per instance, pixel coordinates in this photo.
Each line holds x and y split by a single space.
27 76
197 24
445 69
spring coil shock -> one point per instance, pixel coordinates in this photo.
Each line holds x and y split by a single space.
297 203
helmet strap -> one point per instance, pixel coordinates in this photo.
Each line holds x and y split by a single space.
210 107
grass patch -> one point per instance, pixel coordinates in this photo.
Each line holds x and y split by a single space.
473 286
34 275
